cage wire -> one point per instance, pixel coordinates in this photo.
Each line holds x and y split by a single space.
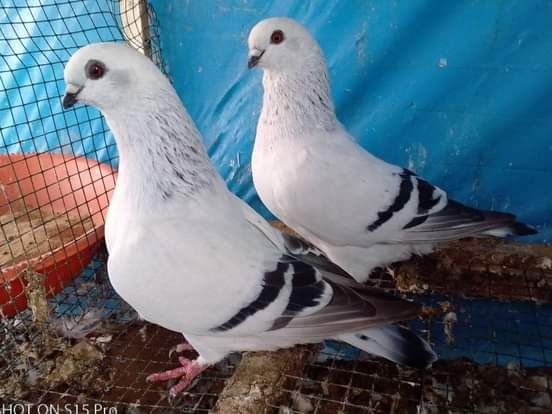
67 338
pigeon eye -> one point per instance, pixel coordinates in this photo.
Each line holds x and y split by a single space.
277 37
95 70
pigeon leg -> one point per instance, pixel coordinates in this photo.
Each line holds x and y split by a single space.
184 346
194 369
187 372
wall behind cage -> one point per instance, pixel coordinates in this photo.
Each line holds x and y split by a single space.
457 91
460 92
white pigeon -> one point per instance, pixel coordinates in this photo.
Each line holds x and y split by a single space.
190 256
360 211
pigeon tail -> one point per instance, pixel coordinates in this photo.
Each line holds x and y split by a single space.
395 343
512 229
457 221
505 224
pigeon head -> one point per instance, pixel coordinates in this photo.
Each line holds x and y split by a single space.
283 45
100 75
295 77
160 149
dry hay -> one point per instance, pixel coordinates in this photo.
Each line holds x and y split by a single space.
27 233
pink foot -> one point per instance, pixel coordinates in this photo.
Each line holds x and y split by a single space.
189 370
184 346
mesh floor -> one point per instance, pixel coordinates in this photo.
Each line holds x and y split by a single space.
368 385
509 368
130 359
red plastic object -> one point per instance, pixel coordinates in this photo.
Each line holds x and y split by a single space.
57 183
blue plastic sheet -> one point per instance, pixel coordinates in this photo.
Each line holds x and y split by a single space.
36 40
457 91
460 92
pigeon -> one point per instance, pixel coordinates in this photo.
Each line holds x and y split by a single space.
192 257
362 212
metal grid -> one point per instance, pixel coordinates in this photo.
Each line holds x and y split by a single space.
369 385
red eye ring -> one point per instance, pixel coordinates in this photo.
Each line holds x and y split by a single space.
94 70
277 37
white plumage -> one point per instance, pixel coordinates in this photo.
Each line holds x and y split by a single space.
190 256
360 211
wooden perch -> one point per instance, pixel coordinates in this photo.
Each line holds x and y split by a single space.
134 17
489 268
258 380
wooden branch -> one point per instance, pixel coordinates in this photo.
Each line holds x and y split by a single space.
134 16
258 380
490 268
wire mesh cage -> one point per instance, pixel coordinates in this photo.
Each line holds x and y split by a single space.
66 338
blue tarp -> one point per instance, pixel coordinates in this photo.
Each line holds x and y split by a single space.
460 92
37 37
457 91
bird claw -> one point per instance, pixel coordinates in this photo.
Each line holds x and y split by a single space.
184 346
187 372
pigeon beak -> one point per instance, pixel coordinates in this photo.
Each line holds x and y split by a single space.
70 97
254 60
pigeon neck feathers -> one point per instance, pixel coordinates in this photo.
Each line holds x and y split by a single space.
298 100
161 153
